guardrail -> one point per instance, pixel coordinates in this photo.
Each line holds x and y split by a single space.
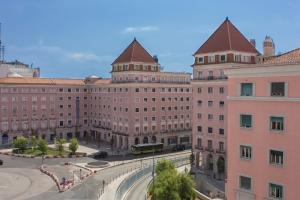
127 183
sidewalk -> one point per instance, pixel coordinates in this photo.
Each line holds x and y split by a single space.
111 189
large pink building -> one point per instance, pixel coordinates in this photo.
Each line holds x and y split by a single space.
263 117
139 104
225 48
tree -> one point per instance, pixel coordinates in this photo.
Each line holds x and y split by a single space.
59 143
164 165
20 143
73 146
34 142
165 186
171 185
186 187
42 146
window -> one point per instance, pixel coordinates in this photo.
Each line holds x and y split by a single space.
245 152
210 75
221 104
210 90
199 142
221 146
246 89
199 128
275 191
199 115
210 116
245 183
209 144
61 123
210 103
221 117
199 90
221 90
223 58
201 59
199 102
210 129
137 110
246 121
137 89
276 157
277 89
276 123
211 59
221 131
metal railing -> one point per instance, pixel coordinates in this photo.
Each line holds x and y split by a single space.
128 182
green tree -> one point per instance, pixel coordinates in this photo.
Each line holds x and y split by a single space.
171 185
59 143
165 186
34 142
42 146
20 143
186 186
73 146
164 165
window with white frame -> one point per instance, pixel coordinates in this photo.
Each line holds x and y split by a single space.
276 123
211 59
276 157
277 89
245 183
246 89
275 191
245 152
245 121
201 59
223 58
210 116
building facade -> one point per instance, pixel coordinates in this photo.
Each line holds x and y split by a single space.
17 69
225 48
263 107
139 104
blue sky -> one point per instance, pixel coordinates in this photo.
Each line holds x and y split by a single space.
77 38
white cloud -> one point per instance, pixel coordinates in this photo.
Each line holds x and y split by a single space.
140 29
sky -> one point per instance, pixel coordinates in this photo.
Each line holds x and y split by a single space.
78 38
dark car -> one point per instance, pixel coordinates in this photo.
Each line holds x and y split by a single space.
100 154
179 147
1 162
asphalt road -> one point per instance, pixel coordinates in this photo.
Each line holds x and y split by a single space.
139 189
88 190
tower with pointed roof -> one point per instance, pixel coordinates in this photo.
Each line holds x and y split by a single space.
135 58
269 47
227 47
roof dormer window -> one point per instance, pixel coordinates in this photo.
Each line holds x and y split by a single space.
201 59
223 58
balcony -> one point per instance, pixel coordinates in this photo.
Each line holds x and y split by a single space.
209 149
221 151
201 148
208 78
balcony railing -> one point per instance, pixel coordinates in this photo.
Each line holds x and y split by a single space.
201 148
220 151
208 78
209 149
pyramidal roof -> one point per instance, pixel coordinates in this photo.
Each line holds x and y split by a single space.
135 52
227 37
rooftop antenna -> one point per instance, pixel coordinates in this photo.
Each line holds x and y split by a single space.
1 46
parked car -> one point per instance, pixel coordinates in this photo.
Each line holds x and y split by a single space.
179 147
100 154
1 162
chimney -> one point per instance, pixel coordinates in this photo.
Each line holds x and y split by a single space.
155 58
252 41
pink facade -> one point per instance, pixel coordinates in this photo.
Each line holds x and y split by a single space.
264 160
140 104
224 49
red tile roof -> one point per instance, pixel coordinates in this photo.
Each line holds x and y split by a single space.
135 52
226 37
291 57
